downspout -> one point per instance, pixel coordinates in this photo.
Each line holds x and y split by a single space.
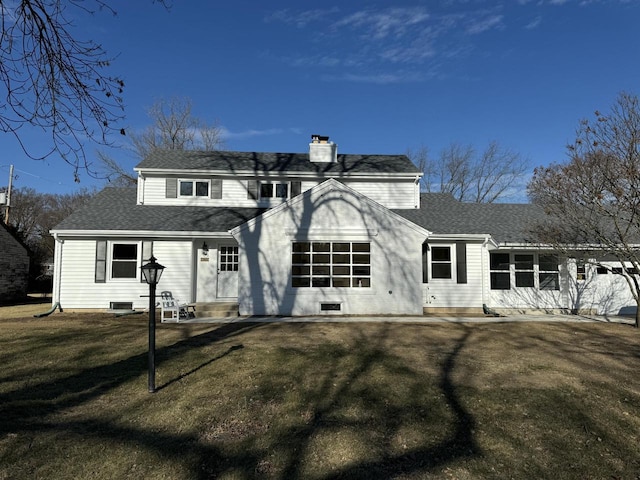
484 271
141 185
57 264
416 193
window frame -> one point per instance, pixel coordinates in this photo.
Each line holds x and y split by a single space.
496 273
550 273
541 275
528 272
112 260
335 264
274 190
437 262
194 187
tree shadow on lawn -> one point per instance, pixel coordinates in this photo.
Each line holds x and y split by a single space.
326 398
21 406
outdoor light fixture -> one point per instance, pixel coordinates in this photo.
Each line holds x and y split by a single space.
152 272
205 249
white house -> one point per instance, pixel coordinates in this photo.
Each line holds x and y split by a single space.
314 233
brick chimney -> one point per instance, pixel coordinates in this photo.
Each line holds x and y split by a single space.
321 150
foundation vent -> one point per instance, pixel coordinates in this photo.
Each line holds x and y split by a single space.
330 307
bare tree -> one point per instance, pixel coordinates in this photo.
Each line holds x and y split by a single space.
594 200
173 127
54 81
420 158
482 178
34 214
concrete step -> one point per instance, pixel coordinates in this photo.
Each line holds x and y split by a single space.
216 309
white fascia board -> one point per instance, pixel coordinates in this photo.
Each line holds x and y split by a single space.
462 236
329 185
524 246
283 174
138 234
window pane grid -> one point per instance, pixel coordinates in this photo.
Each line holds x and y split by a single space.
228 259
331 264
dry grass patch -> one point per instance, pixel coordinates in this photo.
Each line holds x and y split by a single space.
318 401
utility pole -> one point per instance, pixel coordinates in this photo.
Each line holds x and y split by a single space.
6 208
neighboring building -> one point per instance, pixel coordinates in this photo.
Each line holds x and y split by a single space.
316 233
14 267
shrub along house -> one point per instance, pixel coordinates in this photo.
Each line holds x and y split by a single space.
313 233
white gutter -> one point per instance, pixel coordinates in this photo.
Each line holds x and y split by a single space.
139 234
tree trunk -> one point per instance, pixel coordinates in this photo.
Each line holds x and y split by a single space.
637 325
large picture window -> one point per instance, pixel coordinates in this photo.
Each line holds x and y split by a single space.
524 270
331 264
124 260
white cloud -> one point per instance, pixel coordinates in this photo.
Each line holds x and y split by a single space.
301 19
483 24
389 22
533 24
228 134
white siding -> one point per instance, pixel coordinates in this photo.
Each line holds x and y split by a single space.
391 194
448 293
335 215
607 294
78 288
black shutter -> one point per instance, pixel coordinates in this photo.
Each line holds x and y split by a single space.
425 263
171 188
252 190
101 261
461 262
296 188
216 188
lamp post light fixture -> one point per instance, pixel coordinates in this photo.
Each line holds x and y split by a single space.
152 272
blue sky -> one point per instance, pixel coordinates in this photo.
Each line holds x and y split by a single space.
377 77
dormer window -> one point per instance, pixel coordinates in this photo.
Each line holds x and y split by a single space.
259 190
274 190
194 188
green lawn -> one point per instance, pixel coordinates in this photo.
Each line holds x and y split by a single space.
318 401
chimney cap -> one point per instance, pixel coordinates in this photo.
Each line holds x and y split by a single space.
315 138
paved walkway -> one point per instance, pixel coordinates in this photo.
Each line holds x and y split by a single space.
416 319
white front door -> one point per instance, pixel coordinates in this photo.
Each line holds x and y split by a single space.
227 271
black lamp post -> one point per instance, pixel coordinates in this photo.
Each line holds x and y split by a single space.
152 272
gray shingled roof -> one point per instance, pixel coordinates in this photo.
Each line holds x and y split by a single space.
440 213
116 209
258 162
